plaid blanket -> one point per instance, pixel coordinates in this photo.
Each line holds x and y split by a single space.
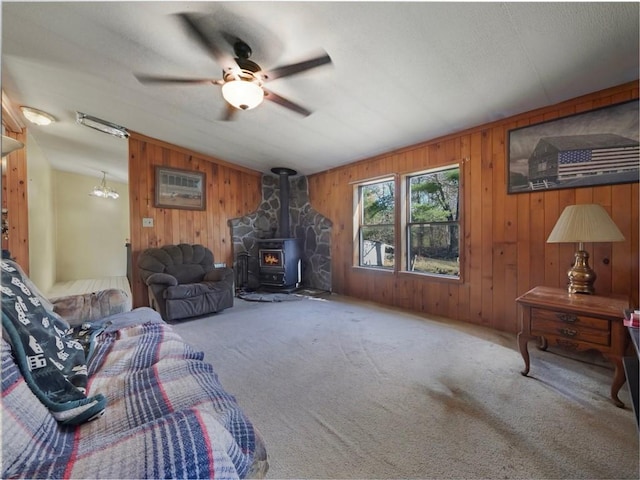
167 416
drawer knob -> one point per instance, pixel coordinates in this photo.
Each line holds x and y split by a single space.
567 317
569 332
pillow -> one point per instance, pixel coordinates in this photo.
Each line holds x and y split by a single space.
52 362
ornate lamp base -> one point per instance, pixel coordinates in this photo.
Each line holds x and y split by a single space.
581 276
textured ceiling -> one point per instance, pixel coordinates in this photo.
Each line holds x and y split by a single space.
402 73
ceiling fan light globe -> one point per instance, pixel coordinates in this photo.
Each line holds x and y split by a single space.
243 94
37 117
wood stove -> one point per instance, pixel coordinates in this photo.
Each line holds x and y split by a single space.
280 263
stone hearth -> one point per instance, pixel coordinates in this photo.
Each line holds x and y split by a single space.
311 228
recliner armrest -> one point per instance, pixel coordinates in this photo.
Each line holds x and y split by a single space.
221 274
162 279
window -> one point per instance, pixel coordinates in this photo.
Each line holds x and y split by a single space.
429 232
376 229
433 229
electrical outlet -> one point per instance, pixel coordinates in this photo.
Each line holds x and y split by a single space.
147 222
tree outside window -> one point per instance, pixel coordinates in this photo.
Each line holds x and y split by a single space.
377 224
433 227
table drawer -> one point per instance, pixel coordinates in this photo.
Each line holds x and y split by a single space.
572 333
569 319
573 343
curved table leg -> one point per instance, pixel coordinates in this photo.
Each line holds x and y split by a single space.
543 344
523 338
618 379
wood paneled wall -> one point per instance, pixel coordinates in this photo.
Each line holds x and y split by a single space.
505 250
15 200
231 191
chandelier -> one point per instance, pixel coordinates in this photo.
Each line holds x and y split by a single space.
102 190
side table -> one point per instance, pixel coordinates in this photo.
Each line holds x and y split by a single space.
575 322
632 369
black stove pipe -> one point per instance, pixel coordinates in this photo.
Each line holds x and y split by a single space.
284 174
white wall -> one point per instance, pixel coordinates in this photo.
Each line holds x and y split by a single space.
42 222
91 231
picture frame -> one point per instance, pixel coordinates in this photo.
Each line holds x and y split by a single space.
182 189
598 147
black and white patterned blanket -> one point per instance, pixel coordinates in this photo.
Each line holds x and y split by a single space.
51 355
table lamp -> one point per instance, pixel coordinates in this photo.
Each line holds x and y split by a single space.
579 224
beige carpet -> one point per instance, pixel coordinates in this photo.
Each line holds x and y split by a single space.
344 389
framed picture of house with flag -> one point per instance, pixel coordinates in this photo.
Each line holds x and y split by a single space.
598 147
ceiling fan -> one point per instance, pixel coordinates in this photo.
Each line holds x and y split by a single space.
242 79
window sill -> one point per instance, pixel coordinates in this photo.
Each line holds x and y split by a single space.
434 277
378 270
423 275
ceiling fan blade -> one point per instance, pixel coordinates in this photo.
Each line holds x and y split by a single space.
229 112
234 40
275 98
223 59
151 79
295 68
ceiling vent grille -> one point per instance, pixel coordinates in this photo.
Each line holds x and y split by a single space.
101 125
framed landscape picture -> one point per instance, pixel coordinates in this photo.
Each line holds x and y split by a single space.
180 189
599 147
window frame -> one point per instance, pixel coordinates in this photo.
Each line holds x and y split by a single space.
402 205
359 223
407 224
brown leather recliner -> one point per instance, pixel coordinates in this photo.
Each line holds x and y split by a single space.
184 282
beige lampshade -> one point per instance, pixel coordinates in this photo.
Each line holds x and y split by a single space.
585 223
9 145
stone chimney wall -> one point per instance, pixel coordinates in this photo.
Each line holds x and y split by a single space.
311 228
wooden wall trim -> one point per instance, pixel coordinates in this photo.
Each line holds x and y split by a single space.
185 151
15 198
10 117
568 106
505 249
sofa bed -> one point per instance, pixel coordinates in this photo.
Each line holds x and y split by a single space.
92 389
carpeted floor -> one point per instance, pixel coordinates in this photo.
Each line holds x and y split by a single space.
345 389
